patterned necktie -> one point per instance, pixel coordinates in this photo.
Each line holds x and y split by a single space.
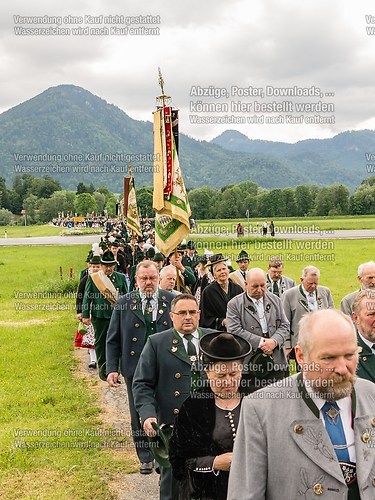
275 288
148 316
335 429
311 301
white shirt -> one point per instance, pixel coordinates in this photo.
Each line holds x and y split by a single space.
153 303
311 299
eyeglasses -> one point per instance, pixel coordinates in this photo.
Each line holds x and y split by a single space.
186 313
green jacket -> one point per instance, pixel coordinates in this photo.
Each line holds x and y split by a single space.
366 362
94 304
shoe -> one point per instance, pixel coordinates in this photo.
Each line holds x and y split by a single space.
146 467
92 364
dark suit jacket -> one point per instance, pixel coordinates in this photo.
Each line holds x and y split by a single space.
126 335
162 379
366 362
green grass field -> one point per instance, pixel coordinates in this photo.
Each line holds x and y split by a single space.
47 446
46 450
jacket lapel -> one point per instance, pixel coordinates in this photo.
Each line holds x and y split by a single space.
162 305
364 446
177 348
250 308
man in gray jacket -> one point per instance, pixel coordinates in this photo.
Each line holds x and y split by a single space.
309 296
311 434
258 316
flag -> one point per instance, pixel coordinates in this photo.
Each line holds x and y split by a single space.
130 206
170 200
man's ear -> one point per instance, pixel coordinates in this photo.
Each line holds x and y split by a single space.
300 357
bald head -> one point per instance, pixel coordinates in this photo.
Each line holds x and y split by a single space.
327 351
255 283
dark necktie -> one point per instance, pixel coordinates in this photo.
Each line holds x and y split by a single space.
275 288
191 350
335 429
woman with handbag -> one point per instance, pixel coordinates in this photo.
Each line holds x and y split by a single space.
201 446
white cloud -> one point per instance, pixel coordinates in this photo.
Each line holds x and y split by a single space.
280 43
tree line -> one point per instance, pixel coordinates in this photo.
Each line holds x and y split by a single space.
44 199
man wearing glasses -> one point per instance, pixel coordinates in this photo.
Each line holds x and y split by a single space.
136 316
167 372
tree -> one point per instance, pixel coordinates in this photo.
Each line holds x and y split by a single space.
201 202
100 202
144 200
6 217
304 200
85 204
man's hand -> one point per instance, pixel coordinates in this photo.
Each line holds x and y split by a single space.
79 317
268 346
147 427
86 321
223 461
112 379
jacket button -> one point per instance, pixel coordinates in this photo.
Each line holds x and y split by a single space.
176 411
373 422
298 429
165 323
132 353
177 375
373 481
134 339
318 489
177 394
136 325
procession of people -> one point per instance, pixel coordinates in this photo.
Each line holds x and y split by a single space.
201 348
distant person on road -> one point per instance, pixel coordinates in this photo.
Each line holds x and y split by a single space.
272 229
240 230
265 228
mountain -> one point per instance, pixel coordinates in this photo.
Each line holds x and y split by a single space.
74 136
339 159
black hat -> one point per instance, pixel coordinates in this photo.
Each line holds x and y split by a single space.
89 255
243 255
95 259
108 259
150 253
159 444
190 245
224 346
158 257
181 248
114 243
201 259
215 259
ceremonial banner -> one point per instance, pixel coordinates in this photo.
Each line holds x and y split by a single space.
130 206
170 200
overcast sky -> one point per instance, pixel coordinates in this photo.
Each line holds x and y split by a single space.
319 44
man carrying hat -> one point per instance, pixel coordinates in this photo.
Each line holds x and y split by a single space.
167 371
101 292
239 276
137 316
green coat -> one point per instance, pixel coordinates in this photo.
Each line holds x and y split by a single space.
366 362
94 304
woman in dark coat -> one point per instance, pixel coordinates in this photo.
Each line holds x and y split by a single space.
215 297
201 446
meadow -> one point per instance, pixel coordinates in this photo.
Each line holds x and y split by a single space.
48 445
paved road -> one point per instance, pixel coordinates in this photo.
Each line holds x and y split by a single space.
89 239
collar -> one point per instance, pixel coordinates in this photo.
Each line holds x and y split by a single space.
194 334
365 341
255 301
305 292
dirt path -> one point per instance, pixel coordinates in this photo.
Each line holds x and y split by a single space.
115 413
